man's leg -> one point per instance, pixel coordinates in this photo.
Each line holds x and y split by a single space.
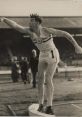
49 83
42 66
50 87
34 79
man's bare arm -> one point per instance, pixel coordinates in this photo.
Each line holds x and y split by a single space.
68 36
16 26
60 33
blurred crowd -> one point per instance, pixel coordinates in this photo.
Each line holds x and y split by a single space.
25 67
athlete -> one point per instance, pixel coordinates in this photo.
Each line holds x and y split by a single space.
49 55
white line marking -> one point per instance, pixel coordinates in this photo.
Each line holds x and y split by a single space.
76 106
66 103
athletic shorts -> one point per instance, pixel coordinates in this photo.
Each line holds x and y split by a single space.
49 56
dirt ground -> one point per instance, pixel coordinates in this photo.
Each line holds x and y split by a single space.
19 96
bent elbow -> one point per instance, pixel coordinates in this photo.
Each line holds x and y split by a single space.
67 35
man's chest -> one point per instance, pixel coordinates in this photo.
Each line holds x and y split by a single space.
40 38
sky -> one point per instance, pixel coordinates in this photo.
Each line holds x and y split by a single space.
42 7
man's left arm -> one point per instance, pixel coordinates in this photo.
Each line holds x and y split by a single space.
60 33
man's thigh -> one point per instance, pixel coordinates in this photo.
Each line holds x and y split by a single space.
51 69
42 66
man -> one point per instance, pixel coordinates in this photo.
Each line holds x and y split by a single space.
34 66
49 56
24 65
14 69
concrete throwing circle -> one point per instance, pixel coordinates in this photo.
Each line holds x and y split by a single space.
33 111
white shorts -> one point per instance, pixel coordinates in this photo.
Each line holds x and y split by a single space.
49 56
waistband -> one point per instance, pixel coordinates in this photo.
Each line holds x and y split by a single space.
45 51
43 40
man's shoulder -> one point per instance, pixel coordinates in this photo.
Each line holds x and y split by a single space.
48 28
28 30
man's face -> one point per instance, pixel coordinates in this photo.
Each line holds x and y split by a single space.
34 54
33 24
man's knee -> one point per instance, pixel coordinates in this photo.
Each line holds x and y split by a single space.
40 75
50 86
49 82
41 79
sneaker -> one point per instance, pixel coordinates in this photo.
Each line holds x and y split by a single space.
40 109
34 86
24 82
49 110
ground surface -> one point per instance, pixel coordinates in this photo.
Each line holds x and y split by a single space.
20 96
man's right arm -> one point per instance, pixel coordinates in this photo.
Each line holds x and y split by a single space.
16 26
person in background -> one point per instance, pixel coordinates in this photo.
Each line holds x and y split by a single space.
24 66
34 66
14 69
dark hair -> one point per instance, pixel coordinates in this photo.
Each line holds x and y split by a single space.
36 17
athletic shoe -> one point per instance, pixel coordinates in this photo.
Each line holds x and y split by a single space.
49 110
40 109
34 86
24 82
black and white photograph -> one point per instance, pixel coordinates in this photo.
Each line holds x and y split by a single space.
41 58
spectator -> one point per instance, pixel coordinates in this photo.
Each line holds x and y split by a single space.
24 65
34 66
14 70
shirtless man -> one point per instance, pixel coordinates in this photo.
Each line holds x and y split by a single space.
49 56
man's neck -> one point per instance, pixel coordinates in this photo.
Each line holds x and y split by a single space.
38 30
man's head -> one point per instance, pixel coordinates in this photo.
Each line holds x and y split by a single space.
35 21
24 58
14 59
34 53
36 17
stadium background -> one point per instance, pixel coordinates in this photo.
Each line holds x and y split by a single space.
14 43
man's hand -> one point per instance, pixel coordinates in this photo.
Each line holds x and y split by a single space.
78 50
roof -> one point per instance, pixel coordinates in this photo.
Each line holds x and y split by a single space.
55 22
